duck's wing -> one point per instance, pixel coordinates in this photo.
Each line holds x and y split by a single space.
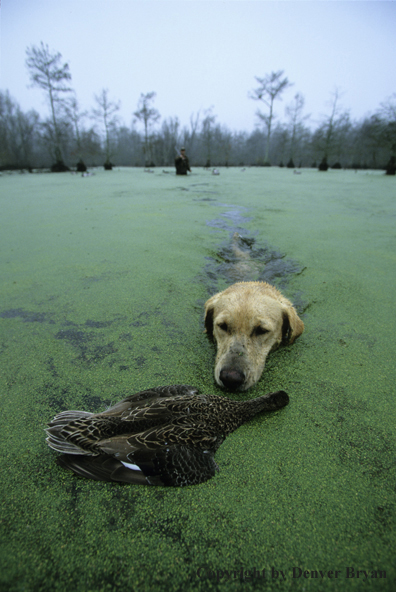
148 397
195 435
101 468
165 420
176 466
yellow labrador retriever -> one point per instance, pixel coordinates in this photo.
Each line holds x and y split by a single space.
248 321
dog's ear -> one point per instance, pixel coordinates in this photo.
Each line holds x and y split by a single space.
209 322
292 326
209 313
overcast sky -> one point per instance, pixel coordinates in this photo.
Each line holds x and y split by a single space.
200 53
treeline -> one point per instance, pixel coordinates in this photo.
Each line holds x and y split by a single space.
71 138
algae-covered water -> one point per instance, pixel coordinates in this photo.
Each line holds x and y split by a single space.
103 281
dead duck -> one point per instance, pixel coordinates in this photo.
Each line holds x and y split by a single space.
166 435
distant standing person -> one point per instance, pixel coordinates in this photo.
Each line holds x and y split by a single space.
181 163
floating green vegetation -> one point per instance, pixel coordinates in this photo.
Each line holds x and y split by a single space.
103 284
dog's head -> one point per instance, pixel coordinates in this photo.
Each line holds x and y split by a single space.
248 321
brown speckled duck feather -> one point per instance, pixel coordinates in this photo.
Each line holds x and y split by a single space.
166 435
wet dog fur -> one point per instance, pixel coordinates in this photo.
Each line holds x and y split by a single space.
248 320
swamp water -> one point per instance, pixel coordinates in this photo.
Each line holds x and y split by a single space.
103 284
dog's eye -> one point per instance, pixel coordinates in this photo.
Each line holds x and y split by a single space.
259 331
223 327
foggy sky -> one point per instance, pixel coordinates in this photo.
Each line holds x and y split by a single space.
200 53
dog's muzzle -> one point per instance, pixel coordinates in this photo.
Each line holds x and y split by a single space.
231 378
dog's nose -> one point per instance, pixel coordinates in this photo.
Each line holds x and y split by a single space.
232 379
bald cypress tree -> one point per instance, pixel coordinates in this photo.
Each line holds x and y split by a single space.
48 73
270 88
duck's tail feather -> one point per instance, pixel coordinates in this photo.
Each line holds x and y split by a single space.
56 440
68 416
